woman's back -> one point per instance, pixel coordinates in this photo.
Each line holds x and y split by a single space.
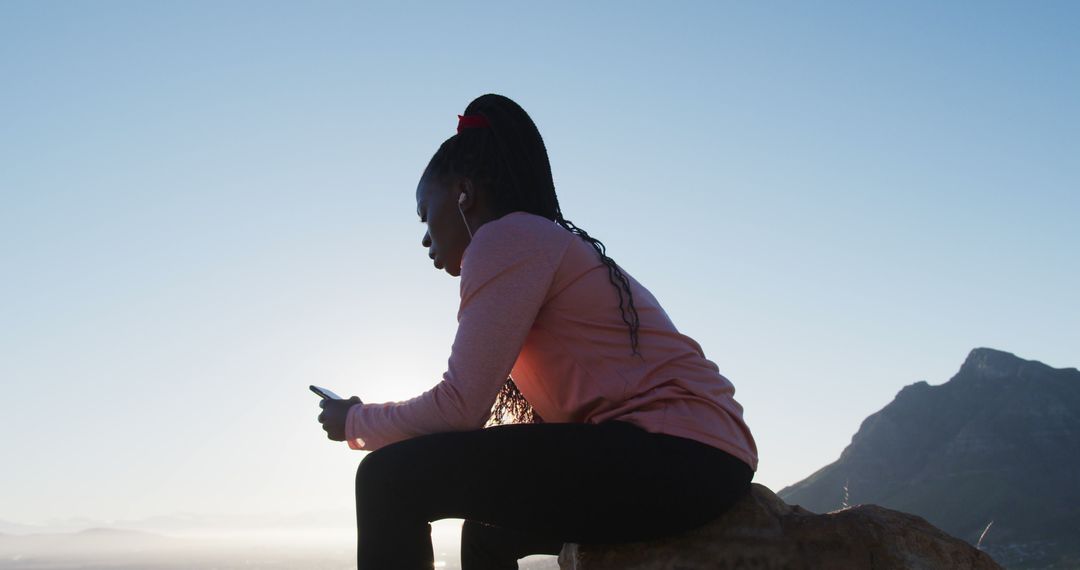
576 363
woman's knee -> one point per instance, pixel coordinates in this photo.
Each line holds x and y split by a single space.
378 471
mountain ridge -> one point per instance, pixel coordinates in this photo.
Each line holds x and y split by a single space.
999 441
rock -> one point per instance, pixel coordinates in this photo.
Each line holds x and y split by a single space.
762 532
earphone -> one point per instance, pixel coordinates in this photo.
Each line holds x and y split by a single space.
460 201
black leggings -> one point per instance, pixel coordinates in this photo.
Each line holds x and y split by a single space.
537 486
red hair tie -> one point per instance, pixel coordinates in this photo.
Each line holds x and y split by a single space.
471 121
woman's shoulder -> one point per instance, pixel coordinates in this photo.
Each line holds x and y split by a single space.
516 235
520 222
523 230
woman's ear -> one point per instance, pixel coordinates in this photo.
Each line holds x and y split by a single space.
465 189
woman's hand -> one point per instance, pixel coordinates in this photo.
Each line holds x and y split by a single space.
333 416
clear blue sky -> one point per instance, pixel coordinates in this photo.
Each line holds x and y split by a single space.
207 206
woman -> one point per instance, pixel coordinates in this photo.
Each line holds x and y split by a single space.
624 430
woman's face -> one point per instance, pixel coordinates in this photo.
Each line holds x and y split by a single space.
446 237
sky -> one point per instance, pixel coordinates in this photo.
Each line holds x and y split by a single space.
208 206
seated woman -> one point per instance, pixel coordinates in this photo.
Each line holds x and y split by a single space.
623 430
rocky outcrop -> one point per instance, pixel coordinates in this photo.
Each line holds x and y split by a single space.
762 532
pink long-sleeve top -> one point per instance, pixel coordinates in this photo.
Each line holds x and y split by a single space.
537 305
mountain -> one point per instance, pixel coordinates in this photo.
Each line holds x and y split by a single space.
8 527
179 522
999 442
89 541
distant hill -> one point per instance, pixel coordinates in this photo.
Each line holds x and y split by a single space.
1000 441
89 541
114 548
8 527
119 533
344 518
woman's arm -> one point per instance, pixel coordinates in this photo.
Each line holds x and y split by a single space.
505 278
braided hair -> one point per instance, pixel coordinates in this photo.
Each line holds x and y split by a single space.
508 158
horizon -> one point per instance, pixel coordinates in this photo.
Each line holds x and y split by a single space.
209 207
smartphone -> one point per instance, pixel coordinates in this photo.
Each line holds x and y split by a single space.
324 393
